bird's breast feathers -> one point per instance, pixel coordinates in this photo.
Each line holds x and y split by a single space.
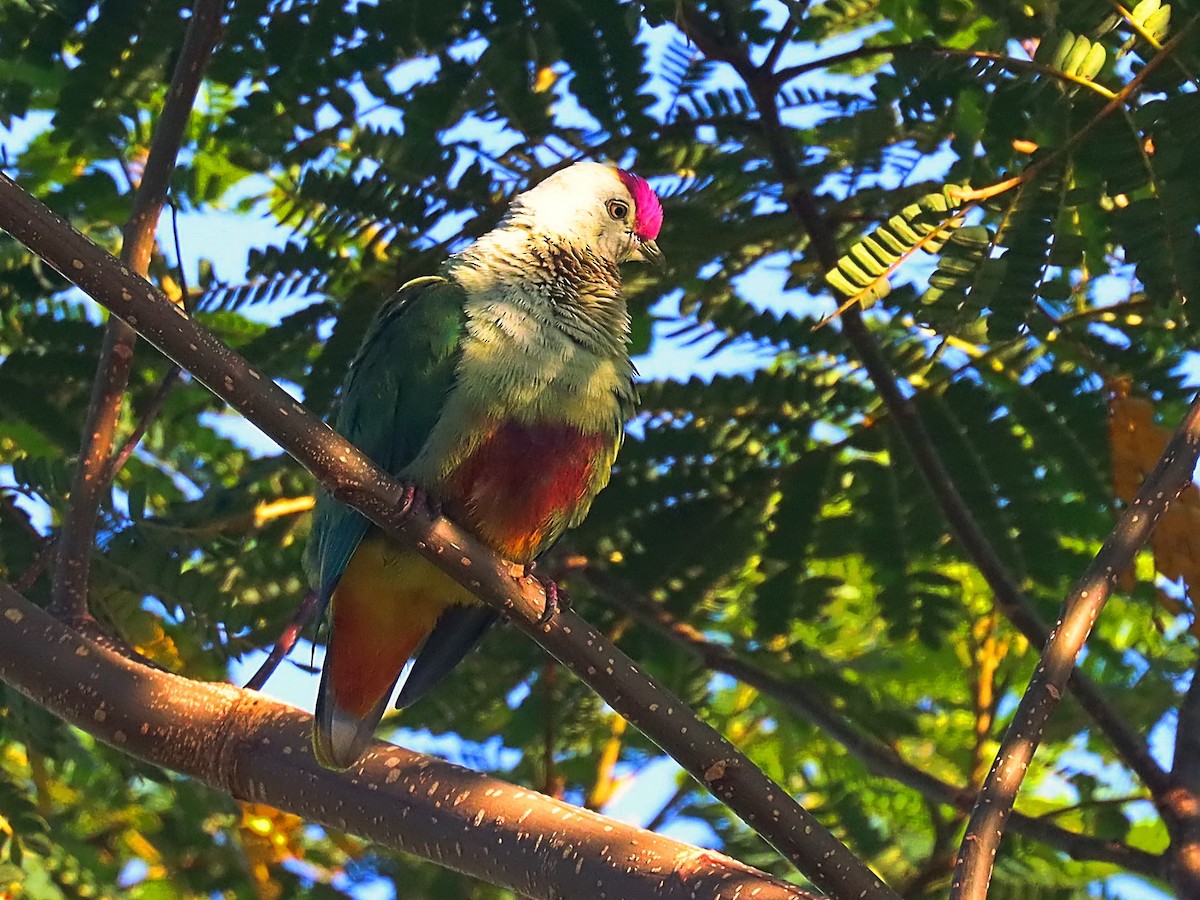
523 484
517 350
529 432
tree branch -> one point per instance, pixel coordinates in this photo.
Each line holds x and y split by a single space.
259 750
174 374
286 641
964 527
1186 767
353 479
1184 797
114 465
879 758
783 76
973 870
786 31
92 473
39 565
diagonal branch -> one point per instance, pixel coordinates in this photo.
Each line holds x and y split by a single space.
973 871
784 36
354 480
118 460
40 563
1186 768
1184 798
879 758
963 524
923 48
258 749
965 528
93 471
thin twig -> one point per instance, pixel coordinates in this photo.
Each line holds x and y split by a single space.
39 565
782 37
1095 803
977 855
353 479
668 809
921 49
149 414
1085 316
285 642
1119 101
69 599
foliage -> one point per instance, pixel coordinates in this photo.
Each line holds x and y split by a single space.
772 507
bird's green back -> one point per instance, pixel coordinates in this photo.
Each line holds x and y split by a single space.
392 398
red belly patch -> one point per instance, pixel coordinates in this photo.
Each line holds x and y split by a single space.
523 481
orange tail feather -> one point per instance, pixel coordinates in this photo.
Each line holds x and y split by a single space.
380 615
364 659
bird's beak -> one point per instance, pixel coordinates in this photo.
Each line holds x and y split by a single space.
648 252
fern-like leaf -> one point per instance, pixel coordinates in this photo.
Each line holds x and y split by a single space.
862 276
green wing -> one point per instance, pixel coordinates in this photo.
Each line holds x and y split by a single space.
393 395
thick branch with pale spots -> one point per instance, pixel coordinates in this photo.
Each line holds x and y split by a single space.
257 749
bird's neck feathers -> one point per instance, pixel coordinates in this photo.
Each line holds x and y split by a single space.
554 278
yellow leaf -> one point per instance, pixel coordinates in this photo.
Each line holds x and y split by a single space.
546 78
269 837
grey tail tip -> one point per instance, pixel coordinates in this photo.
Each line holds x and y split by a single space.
332 756
339 739
335 749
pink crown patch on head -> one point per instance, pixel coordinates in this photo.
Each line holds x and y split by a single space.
645 201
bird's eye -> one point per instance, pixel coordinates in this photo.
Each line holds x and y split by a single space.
618 209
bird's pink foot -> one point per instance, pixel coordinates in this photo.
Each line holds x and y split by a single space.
556 599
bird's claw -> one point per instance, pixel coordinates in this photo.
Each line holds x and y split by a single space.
413 497
556 599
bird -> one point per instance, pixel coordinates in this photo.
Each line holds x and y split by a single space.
499 388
